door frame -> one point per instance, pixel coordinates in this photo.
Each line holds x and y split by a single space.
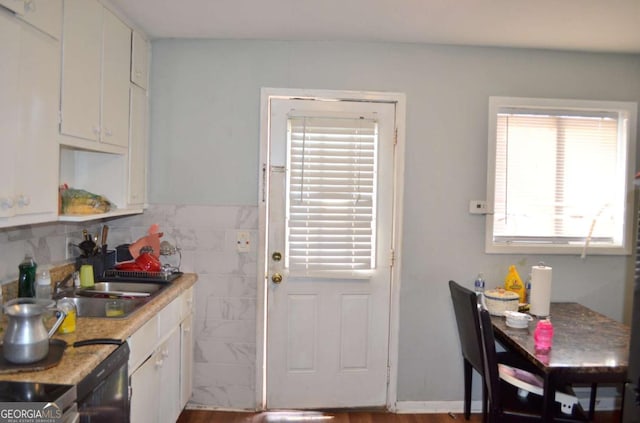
266 95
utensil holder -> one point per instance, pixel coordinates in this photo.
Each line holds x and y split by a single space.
100 263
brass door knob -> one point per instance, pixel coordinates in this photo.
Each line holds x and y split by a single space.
276 278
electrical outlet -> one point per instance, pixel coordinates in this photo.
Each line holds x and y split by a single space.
478 207
243 241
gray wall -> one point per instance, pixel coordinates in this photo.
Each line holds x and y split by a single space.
205 102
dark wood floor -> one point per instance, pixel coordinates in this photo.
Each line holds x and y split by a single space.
205 416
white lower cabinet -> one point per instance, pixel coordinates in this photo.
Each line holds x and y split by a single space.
169 398
161 364
144 382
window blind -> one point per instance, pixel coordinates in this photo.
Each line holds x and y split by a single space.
331 195
559 176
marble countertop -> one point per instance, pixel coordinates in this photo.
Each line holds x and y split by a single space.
78 362
586 345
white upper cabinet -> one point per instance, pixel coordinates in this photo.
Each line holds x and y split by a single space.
139 60
81 67
30 82
95 78
16 6
138 148
116 58
9 128
46 15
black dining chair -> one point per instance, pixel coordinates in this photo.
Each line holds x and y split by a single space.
504 402
465 306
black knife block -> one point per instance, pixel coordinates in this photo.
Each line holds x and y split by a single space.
100 263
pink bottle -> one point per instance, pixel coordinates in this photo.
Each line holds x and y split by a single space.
543 335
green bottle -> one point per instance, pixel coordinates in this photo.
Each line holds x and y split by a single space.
27 278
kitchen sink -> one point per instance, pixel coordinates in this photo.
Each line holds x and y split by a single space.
127 297
97 307
122 289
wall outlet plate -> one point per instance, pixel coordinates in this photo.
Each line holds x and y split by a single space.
243 241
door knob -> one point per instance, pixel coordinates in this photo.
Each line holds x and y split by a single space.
276 278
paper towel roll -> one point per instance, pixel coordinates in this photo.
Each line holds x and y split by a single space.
540 296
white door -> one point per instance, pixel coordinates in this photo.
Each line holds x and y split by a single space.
329 253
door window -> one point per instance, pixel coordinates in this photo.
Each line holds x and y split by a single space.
331 195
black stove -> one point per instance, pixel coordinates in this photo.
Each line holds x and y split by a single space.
64 396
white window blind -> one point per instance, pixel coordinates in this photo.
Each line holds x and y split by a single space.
559 177
331 195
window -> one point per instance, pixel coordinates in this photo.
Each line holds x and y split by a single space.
560 176
331 195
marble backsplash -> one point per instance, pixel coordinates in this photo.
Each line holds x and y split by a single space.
226 292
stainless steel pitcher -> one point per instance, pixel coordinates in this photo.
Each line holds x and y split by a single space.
26 339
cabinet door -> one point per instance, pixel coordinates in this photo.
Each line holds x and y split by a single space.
139 60
145 387
186 357
46 15
169 378
36 181
16 6
115 80
9 113
138 147
82 50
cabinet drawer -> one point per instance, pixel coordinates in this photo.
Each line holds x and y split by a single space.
169 318
142 343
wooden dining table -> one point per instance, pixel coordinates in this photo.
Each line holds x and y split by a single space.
588 348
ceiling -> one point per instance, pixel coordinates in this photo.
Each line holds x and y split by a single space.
584 25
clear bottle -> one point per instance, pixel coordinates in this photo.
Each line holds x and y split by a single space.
27 278
479 284
69 323
43 284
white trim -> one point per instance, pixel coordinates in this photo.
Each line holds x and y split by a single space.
432 407
266 95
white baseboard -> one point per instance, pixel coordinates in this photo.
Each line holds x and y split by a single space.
191 406
429 407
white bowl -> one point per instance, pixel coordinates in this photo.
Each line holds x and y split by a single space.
499 300
517 320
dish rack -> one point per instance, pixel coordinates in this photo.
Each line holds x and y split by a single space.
113 275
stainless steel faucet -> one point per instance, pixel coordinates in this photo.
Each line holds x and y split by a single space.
60 287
